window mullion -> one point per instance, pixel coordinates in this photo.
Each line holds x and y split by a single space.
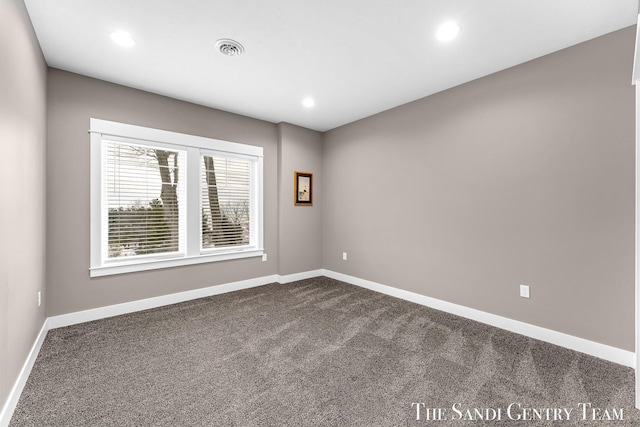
193 207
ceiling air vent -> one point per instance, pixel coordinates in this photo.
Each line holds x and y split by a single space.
229 47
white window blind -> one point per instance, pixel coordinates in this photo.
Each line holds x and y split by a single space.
144 191
225 201
164 199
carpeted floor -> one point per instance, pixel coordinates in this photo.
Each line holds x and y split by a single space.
316 352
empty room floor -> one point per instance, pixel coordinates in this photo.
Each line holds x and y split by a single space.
316 352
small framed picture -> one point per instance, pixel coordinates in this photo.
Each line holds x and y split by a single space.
303 189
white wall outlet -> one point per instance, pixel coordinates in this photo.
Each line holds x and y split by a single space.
524 291
344 256
39 298
264 257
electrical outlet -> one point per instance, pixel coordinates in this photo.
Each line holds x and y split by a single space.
524 291
344 256
39 298
264 257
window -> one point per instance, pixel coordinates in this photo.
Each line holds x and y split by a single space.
162 199
225 201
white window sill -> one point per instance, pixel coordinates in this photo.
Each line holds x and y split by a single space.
155 264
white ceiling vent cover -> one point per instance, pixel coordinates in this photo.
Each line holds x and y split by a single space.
229 47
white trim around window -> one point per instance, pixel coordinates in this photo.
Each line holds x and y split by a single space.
195 218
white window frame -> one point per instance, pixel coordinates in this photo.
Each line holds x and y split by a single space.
194 146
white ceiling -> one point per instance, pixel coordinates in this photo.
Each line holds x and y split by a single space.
354 57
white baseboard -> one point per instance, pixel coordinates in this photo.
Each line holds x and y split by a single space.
16 391
602 351
288 278
145 304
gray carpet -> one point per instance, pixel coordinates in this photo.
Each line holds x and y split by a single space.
316 352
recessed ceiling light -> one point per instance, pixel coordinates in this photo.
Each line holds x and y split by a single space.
448 31
122 38
308 102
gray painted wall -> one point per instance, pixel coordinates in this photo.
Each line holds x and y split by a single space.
22 213
72 100
525 176
300 227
